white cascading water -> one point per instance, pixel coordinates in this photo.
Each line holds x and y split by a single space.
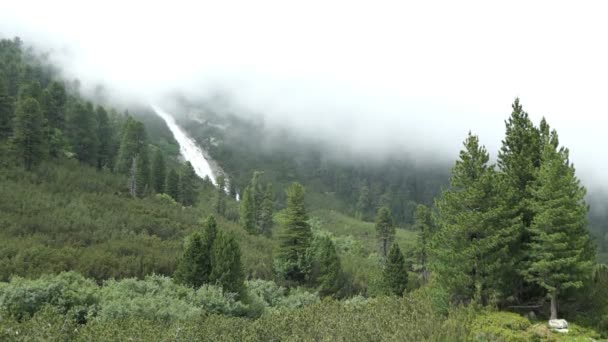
187 146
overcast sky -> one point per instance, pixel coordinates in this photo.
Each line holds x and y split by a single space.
411 76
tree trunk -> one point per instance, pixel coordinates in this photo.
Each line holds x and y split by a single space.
554 305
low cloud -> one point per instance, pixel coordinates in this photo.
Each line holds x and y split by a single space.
376 77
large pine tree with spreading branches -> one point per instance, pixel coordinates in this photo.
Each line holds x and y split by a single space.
560 252
476 230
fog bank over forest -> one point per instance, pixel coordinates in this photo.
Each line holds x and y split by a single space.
376 78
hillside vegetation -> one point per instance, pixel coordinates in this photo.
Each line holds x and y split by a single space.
106 234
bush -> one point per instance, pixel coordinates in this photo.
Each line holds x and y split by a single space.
68 292
500 326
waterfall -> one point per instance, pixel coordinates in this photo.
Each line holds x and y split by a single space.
188 147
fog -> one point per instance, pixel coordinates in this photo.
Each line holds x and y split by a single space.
376 77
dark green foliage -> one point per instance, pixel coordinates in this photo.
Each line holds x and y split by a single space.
248 211
394 275
220 196
81 129
142 173
257 206
28 136
295 238
423 223
159 170
187 185
227 270
561 255
326 270
55 104
192 267
133 143
518 160
385 230
476 229
267 209
364 204
7 110
172 185
105 153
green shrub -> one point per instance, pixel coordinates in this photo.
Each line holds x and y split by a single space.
500 326
68 292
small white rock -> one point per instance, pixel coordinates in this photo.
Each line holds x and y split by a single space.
558 324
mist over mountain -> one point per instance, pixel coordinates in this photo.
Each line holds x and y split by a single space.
379 79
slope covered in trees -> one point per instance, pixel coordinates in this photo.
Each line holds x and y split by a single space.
106 234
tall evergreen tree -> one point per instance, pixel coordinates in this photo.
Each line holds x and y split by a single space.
187 185
227 268
143 173
394 275
192 266
159 170
258 196
220 196
295 239
196 265
267 210
471 252
172 185
7 110
81 128
209 238
519 159
248 211
56 99
364 204
28 135
423 223
133 142
385 230
561 255
327 269
104 134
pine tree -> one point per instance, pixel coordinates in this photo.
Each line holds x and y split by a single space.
172 185
28 134
6 110
327 268
104 133
561 255
187 191
258 197
227 269
295 239
192 266
385 230
55 105
364 204
267 210
423 223
476 229
519 159
82 132
159 170
133 178
248 211
220 196
196 264
209 237
133 142
143 173
394 275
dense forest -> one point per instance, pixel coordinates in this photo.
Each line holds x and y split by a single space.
107 234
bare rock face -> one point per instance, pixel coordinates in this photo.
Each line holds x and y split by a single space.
558 325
